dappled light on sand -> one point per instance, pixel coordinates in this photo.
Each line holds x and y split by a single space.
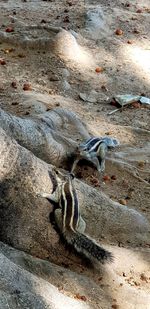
129 271
140 59
67 47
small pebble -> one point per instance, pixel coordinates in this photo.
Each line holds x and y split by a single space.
14 84
141 163
123 201
26 87
113 177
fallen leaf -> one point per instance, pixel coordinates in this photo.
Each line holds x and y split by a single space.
113 177
21 55
43 21
133 18
8 50
130 42
114 103
103 87
127 4
106 177
69 3
99 70
27 87
2 61
136 283
115 306
130 195
14 103
66 19
9 29
81 297
143 277
94 181
119 32
66 265
136 105
136 31
147 10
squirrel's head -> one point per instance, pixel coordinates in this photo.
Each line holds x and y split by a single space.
63 176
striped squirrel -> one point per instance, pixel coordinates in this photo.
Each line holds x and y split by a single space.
69 221
94 150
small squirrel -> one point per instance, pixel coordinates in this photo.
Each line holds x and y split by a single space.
94 150
70 223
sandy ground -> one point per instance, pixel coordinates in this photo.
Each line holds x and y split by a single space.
125 63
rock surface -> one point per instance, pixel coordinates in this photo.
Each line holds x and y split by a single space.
61 49
28 282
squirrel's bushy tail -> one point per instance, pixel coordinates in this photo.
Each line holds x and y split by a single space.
87 246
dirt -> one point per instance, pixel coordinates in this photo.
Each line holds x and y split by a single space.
125 58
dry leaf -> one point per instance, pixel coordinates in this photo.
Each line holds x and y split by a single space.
136 31
106 178
119 32
9 29
136 105
113 177
21 55
27 87
143 278
115 306
99 70
2 61
130 42
8 50
66 19
81 297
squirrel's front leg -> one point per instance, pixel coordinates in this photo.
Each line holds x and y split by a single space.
103 165
53 196
97 164
74 165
